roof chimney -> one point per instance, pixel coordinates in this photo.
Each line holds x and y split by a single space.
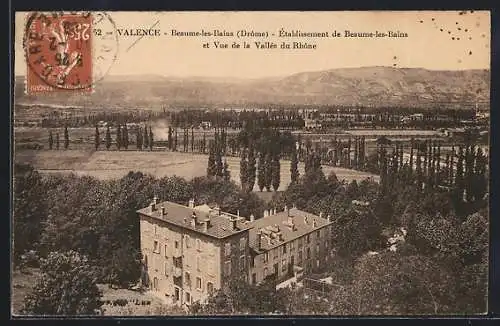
252 218
191 203
314 224
259 238
153 204
285 208
162 211
235 227
204 226
306 221
320 214
274 211
238 213
266 213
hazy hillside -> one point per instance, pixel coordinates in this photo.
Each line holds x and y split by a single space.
365 86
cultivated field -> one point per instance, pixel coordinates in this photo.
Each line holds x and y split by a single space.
115 164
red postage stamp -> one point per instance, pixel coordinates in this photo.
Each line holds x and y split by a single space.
58 52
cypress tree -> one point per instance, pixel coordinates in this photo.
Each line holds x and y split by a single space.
204 143
459 176
97 138
125 136
66 137
175 140
192 139
169 139
226 174
294 166
480 182
139 138
211 168
268 171
252 167
356 152
119 137
243 170
218 162
261 177
151 139
145 138
412 144
108 138
276 173
57 141
51 139
451 177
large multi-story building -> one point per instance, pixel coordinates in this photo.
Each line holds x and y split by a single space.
190 251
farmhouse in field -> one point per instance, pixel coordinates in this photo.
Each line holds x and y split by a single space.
190 251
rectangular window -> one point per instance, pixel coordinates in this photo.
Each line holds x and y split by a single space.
187 279
308 253
317 262
317 249
300 243
252 262
265 272
227 249
254 278
210 287
198 263
188 298
165 251
227 268
308 238
317 234
242 262
292 245
176 244
243 243
198 283
284 248
266 257
166 268
300 256
156 247
198 244
187 240
283 265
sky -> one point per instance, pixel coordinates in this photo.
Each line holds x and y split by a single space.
437 40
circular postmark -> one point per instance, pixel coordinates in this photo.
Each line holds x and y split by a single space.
69 51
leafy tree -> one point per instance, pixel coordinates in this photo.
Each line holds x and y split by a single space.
119 141
294 167
66 137
125 139
150 139
389 283
97 138
30 209
51 139
108 138
67 287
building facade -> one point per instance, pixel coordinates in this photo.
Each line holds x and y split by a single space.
190 251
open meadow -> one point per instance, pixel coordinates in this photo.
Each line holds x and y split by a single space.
115 164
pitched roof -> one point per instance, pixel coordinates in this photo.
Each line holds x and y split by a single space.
221 225
278 224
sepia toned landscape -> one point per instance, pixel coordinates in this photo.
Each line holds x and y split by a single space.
342 191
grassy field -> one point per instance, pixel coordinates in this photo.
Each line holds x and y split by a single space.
115 164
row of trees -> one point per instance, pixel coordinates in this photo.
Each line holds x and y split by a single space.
143 138
57 142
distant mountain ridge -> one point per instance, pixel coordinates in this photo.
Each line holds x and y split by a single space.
367 86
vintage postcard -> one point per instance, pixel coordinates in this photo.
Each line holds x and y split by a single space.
251 163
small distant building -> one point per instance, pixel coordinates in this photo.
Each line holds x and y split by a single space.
383 140
454 132
310 124
412 118
206 124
